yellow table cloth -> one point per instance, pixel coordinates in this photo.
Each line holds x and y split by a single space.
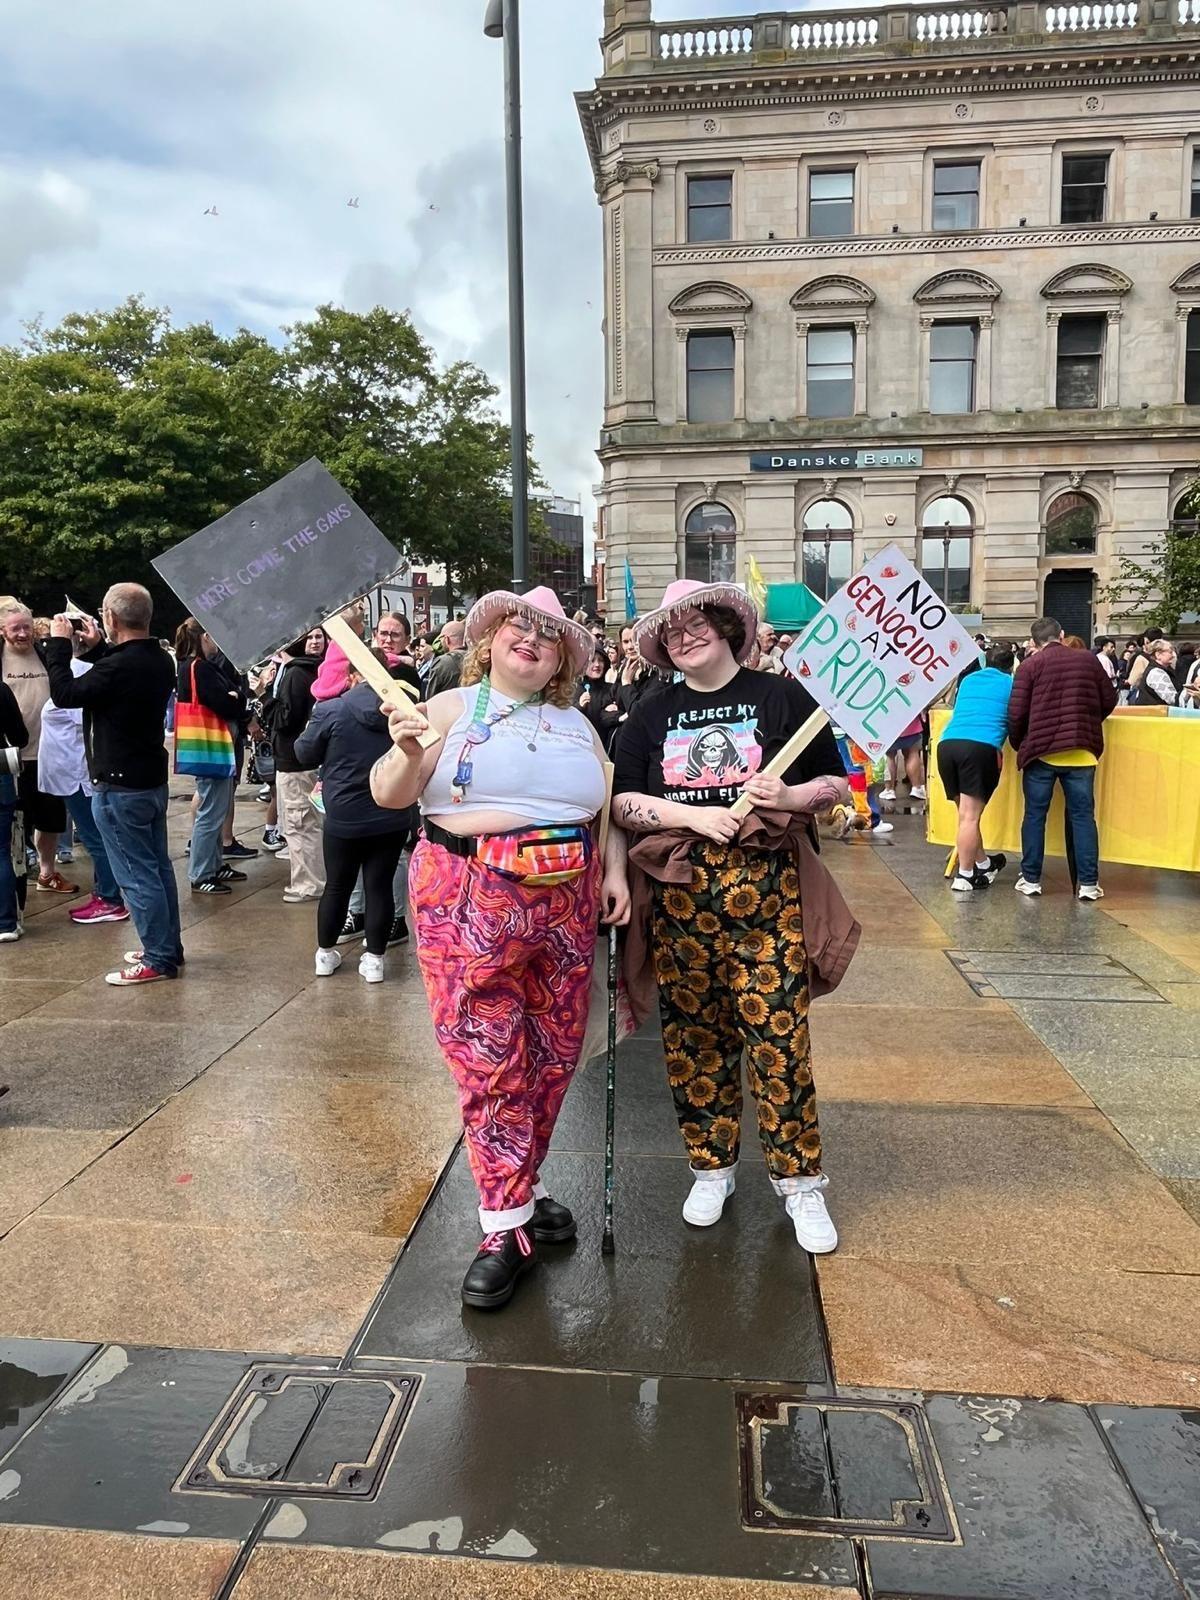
1147 794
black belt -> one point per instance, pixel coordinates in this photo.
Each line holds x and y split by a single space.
457 844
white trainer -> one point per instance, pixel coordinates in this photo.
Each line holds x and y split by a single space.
918 793
1023 886
887 794
707 1200
814 1227
328 961
370 967
1090 891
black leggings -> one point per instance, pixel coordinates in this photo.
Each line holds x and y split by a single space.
376 855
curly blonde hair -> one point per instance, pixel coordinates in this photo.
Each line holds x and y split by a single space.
560 691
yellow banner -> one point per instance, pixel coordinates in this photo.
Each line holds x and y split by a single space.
1147 795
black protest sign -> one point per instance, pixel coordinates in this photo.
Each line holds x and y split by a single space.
279 564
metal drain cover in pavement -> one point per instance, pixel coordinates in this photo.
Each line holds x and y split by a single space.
841 1466
303 1430
1052 975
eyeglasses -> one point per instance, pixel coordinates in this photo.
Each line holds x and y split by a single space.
698 628
541 632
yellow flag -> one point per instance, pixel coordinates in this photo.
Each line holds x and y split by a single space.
756 585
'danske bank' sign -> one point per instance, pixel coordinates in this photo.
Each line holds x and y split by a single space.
823 460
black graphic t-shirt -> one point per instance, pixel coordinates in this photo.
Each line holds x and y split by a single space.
699 748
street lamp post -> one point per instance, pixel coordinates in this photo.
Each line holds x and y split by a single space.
502 21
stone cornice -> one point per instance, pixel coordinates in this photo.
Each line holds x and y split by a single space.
857 246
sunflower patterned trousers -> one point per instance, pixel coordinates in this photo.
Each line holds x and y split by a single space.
732 976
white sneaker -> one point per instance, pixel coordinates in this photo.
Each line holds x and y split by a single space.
370 967
887 794
815 1231
328 961
1090 891
707 1200
918 793
1023 886
11 936
884 827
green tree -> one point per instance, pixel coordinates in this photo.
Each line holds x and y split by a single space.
1165 583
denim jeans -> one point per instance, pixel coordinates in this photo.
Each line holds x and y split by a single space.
206 858
104 884
1078 786
8 876
133 826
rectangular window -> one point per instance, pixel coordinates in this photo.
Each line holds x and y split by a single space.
831 203
952 367
709 209
830 386
828 564
1080 353
710 377
1196 182
946 566
1084 188
1191 370
956 195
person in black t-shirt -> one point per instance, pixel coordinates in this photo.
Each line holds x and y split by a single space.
728 950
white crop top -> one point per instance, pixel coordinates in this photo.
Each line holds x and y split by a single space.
539 763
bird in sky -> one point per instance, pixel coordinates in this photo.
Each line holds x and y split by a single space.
353 203
434 208
211 211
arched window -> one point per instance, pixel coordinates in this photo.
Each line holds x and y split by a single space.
1185 518
1071 525
828 547
710 543
946 529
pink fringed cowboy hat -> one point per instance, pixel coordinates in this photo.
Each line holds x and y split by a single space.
543 605
688 594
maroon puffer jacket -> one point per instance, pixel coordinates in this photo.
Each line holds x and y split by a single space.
1060 698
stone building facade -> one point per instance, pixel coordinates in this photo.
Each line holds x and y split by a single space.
896 274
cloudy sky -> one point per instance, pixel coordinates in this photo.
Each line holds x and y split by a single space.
121 123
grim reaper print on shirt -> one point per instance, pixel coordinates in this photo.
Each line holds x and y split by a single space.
709 753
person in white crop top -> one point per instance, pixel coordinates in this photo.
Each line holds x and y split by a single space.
505 888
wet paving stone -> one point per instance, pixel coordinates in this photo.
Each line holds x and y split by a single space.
1043 1512
108 1451
32 1371
732 1301
645 1124
590 1469
1159 1451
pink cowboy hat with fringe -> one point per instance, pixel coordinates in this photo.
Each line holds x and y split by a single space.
543 605
688 594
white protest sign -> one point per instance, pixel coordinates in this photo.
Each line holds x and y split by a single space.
880 651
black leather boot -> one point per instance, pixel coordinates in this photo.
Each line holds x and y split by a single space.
492 1276
552 1222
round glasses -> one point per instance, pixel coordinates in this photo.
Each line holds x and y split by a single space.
697 628
543 633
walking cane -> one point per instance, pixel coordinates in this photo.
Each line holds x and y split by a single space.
607 1245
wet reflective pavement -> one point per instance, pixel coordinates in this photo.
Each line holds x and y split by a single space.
233 1361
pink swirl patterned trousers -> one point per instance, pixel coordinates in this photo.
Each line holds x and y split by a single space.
507 969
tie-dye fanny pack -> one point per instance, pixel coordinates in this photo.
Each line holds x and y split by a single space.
538 857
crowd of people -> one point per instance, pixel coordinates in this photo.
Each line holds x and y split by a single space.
495 837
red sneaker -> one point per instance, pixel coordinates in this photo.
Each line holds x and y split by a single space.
55 883
97 910
136 972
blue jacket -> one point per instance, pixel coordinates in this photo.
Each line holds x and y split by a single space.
345 738
981 709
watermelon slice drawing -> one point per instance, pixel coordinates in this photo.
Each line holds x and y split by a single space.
889 572
954 647
851 624
906 679
803 670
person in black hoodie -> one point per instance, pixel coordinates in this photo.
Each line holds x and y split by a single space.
597 698
202 679
14 735
346 737
289 709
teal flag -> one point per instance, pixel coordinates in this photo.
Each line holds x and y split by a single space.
630 597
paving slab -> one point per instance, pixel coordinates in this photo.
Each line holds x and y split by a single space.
35 1162
908 1035
76 1074
275 1572
1133 1031
21 995
646 1124
1042 1511
1159 1452
728 1302
62 1564
213 1288
966 1080
193 998
1187 1192
985 1185
107 1452
32 1373
587 1468
1166 1137
922 978
1048 1329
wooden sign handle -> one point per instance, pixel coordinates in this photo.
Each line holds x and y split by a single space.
606 813
374 672
778 765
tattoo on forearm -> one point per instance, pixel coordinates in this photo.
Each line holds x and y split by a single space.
638 816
